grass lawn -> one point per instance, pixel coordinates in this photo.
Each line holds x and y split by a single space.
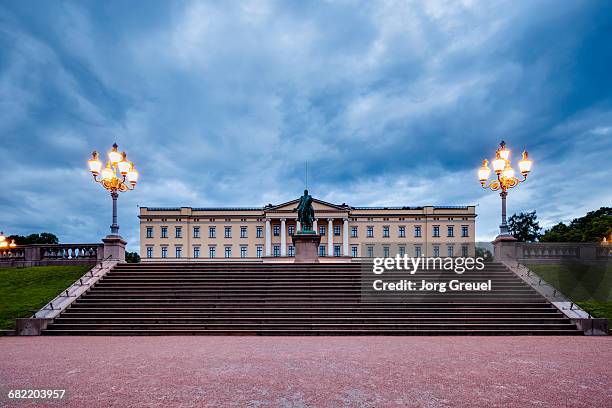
23 290
587 285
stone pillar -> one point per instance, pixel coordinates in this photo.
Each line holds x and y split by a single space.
330 237
283 238
268 239
315 227
345 238
114 248
298 226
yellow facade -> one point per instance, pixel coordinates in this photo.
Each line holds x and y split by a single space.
264 233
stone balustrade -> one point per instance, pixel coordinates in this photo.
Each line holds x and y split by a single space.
535 252
52 254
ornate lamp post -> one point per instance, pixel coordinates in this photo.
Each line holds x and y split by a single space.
118 176
505 180
4 244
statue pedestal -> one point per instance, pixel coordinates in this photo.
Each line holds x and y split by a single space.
306 247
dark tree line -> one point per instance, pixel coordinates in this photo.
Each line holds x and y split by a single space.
42 238
591 228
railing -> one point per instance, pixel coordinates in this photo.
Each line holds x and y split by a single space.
550 250
51 254
12 254
70 251
553 251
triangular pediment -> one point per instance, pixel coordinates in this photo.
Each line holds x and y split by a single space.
318 205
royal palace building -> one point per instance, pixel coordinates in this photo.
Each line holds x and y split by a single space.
264 233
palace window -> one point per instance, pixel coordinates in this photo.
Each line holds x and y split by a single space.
149 252
259 251
417 251
228 232
336 250
196 232
402 232
354 232
385 251
164 232
228 251
291 250
243 251
291 229
259 232
276 230
436 230
370 231
321 250
450 250
370 252
277 250
322 230
149 232
386 231
243 232
196 252
464 231
354 251
212 251
464 251
402 251
417 231
212 232
178 251
337 230
164 252
178 232
436 251
451 231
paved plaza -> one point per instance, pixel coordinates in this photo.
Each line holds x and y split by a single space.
312 371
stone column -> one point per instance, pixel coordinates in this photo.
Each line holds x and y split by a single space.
283 238
315 227
268 239
330 237
345 238
297 226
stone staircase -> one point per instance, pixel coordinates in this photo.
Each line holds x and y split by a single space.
297 299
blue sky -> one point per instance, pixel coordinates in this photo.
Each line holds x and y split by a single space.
221 103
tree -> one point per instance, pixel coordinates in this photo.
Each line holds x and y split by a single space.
484 253
42 238
132 257
525 226
593 227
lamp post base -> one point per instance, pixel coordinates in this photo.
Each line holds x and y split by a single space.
114 248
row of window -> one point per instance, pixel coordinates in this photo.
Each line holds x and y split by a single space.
212 251
212 231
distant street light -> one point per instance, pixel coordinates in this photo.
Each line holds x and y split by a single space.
119 175
4 244
505 179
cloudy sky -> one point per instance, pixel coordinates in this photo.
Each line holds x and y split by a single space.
221 103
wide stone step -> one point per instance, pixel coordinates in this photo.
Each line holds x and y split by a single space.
315 326
331 332
290 314
299 320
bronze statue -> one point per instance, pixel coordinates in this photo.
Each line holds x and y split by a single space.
305 212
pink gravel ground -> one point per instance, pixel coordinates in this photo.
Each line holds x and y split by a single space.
312 371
